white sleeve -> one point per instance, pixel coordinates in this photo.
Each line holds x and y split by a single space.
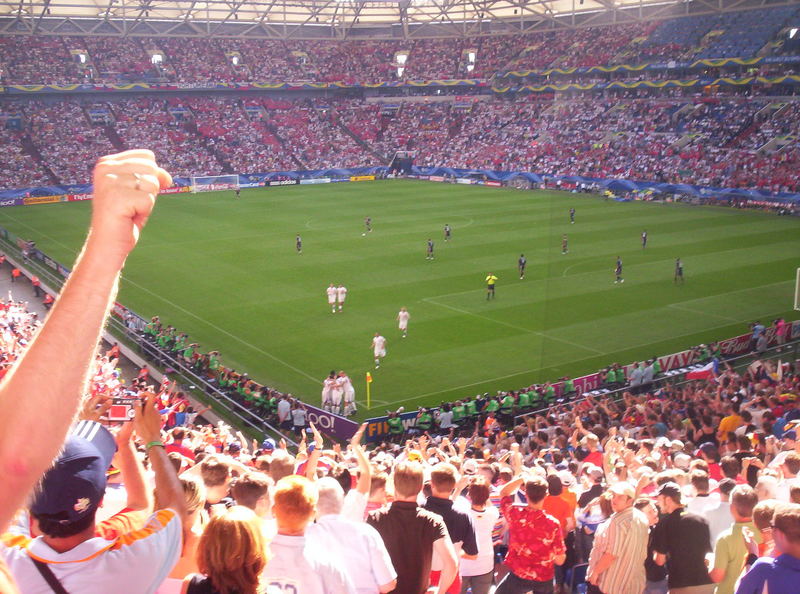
380 561
154 550
354 506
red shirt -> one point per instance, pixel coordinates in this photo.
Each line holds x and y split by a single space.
595 457
180 448
534 541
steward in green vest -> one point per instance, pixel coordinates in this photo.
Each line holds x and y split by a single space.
471 408
424 420
507 405
459 413
395 427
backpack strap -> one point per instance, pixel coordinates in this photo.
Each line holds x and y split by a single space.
49 576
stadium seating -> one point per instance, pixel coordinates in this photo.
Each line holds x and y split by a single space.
709 141
81 59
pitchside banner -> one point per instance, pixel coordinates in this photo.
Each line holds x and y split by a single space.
378 428
330 424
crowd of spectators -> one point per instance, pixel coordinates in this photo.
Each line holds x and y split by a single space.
720 141
17 167
67 141
55 59
146 121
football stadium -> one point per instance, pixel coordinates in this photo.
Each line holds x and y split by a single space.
351 296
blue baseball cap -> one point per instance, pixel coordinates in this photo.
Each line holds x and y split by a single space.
268 444
74 486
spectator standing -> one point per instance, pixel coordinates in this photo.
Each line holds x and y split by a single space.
656 575
682 539
616 563
730 551
231 555
295 563
779 574
64 512
535 542
411 534
362 552
459 524
478 573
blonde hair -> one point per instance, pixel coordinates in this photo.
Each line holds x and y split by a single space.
444 477
407 479
194 492
233 552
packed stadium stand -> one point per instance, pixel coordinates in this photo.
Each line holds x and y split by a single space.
653 482
719 135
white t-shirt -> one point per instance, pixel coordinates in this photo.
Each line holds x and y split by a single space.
135 562
327 388
360 549
341 293
296 566
484 522
379 345
331 291
284 408
347 386
402 320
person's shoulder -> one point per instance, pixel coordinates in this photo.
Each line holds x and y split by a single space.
10 541
163 523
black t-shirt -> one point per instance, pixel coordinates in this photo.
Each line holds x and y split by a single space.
685 538
459 524
201 584
587 496
654 572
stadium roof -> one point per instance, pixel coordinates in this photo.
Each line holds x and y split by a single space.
339 18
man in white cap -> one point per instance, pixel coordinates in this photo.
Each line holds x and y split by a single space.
616 563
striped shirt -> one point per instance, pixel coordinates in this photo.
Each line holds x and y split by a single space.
624 536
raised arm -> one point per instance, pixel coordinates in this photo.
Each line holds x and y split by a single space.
168 485
52 374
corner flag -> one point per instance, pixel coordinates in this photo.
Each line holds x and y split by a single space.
369 381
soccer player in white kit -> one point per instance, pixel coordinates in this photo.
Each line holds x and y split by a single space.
378 348
341 293
349 394
402 321
337 390
327 391
331 291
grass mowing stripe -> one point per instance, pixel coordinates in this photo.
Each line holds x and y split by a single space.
226 272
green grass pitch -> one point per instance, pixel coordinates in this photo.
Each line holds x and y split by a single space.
226 271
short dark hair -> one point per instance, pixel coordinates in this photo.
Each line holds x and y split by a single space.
536 489
479 490
214 471
55 527
731 467
554 485
249 488
726 485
